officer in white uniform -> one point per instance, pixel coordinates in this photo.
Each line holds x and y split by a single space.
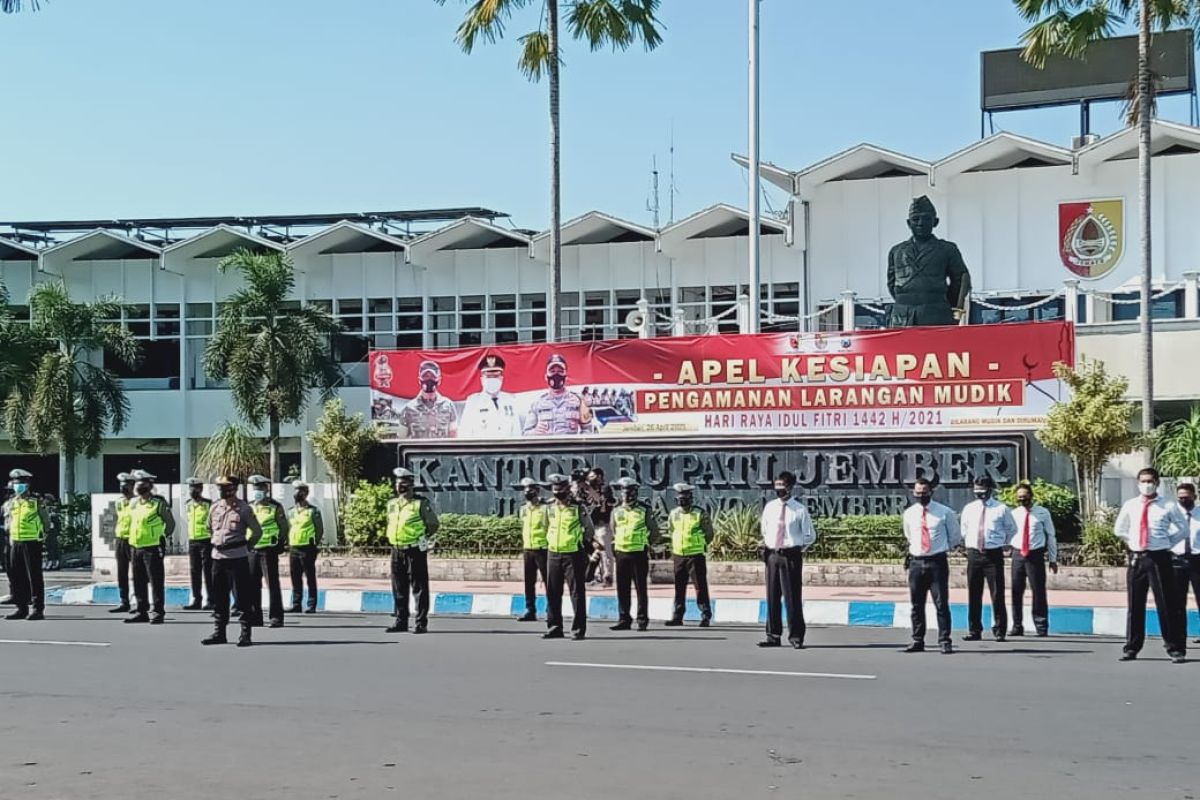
490 413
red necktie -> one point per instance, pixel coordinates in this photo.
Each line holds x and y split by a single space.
982 520
926 540
781 531
1025 537
1144 540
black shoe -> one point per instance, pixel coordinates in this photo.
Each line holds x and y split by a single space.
577 637
20 613
137 618
972 637
157 619
121 609
310 611
235 613
796 644
677 623
292 610
276 623
1000 636
193 606
915 647
208 607
1043 634
244 640
1017 630
704 622
642 626
36 616
216 638
621 626
947 649
769 643
1195 641
528 616
1178 658
421 628
1128 657
552 635
397 627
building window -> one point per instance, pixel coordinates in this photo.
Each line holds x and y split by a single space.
532 318
1046 312
1168 306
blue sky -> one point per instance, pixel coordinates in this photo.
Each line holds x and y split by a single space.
171 108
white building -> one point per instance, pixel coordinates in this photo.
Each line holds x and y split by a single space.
476 281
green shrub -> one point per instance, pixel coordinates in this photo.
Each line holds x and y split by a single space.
366 515
477 534
1099 546
1060 501
866 538
735 534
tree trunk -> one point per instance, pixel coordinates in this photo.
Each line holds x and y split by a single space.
273 446
553 312
1144 121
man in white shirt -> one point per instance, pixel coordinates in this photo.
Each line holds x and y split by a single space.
932 530
1033 546
987 526
490 413
787 531
1151 525
1186 554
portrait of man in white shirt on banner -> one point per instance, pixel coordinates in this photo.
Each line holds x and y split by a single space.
490 413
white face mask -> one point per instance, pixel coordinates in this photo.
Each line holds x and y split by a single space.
1147 489
492 385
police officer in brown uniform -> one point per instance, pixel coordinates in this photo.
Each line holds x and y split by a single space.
234 530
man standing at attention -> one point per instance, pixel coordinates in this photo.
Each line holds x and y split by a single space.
691 534
234 529
411 526
265 559
535 522
932 530
569 534
305 531
26 522
121 543
199 545
987 526
1033 547
1151 525
787 531
1187 553
151 524
633 525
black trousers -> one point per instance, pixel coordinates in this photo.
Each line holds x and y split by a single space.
1031 569
264 564
200 566
697 567
25 575
410 572
785 585
633 568
230 574
535 564
568 569
148 575
929 575
302 567
1187 574
1152 571
986 566
124 555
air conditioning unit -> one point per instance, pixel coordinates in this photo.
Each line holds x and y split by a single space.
1080 142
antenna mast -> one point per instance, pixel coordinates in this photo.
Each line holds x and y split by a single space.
652 203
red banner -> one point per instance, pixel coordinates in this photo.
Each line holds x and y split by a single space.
983 376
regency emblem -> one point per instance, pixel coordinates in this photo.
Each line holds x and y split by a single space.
1091 236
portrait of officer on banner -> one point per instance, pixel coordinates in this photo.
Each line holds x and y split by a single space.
490 413
558 411
429 415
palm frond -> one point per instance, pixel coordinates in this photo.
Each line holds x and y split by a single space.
535 55
619 23
16 6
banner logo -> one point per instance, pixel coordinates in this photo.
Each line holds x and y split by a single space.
1091 236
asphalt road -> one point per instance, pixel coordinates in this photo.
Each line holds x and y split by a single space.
331 706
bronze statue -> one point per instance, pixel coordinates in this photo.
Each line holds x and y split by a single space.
926 275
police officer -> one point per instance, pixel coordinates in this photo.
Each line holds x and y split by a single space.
150 525
121 544
305 531
26 521
987 526
691 533
233 528
411 526
535 521
265 560
633 526
196 511
569 534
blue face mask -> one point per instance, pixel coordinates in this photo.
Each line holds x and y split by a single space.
259 494
21 488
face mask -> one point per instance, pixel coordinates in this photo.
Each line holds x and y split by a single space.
492 385
531 495
429 387
631 497
561 492
981 494
684 502
1188 504
20 488
1148 489
259 494
299 497
228 492
923 499
143 489
1026 502
781 493
556 381
195 493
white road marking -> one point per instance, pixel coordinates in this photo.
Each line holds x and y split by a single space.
654 668
60 644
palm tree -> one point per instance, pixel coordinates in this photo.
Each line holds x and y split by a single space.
273 355
618 23
64 399
1177 447
231 450
14 6
1067 28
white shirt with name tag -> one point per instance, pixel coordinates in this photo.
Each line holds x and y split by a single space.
995 520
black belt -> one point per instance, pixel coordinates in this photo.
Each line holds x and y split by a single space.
785 550
930 557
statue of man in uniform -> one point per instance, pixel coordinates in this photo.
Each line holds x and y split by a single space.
926 275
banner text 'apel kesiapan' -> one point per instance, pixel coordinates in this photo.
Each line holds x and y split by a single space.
982 377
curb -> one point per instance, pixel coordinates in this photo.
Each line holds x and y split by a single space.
1077 620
